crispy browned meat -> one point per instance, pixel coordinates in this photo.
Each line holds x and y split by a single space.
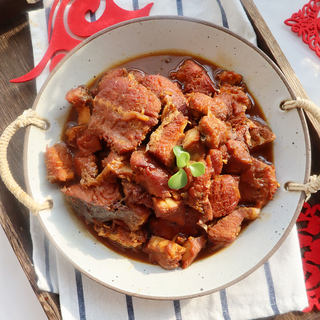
194 78
79 96
166 136
201 104
260 134
241 126
103 203
224 195
193 144
215 131
192 218
226 229
124 112
113 73
105 196
258 184
121 236
216 158
72 133
198 193
192 140
229 77
164 252
150 175
86 168
235 97
239 159
59 163
88 142
170 209
198 104
224 151
115 165
167 91
135 194
193 247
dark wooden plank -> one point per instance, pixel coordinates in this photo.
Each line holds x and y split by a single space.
16 59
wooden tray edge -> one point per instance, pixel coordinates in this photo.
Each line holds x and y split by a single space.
269 45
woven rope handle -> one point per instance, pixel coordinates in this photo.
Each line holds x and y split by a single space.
29 117
313 185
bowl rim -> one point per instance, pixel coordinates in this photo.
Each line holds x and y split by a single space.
293 96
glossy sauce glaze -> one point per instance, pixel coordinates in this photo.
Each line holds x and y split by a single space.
165 64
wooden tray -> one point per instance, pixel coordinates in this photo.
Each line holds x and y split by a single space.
15 60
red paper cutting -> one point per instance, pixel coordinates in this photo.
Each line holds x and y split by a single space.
114 14
309 236
60 41
306 24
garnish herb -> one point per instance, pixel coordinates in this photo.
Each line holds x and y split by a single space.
179 180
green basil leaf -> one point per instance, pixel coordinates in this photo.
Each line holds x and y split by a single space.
182 156
197 169
178 180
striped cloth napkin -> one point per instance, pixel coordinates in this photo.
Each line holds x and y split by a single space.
276 287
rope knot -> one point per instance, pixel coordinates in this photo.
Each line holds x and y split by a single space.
312 186
29 116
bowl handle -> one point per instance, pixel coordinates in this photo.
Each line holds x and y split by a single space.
29 117
313 185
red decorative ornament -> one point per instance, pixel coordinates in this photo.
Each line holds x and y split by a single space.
61 41
309 236
114 14
306 24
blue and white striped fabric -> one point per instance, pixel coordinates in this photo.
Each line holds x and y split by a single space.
276 287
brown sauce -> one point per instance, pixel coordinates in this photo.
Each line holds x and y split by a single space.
164 64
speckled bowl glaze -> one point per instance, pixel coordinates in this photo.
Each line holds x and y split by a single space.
291 152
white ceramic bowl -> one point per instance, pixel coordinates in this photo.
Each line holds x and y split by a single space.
291 153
